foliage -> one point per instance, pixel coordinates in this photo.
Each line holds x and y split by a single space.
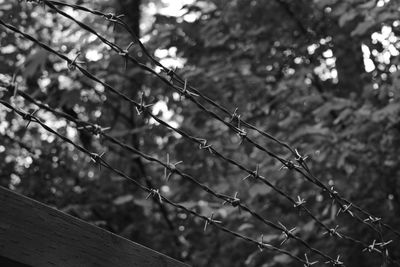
322 75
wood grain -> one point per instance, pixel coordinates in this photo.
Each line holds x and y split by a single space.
37 235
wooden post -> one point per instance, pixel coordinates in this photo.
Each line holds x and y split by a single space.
34 234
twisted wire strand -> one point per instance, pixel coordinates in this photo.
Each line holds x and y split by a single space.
344 204
233 201
151 191
145 109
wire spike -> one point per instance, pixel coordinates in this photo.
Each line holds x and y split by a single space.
73 63
308 263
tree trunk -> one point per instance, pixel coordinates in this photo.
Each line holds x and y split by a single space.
349 61
131 11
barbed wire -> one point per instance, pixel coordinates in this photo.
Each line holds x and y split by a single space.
344 204
234 201
141 107
173 75
118 20
152 192
311 34
201 142
172 169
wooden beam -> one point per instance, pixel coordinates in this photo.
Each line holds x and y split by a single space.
10 263
37 235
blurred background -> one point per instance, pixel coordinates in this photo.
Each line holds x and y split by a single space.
322 75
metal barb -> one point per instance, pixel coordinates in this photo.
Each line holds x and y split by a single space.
261 243
333 232
253 174
289 165
242 134
171 167
112 17
371 247
373 219
346 208
336 262
97 158
155 193
203 145
29 117
286 233
234 201
95 129
308 263
210 220
73 63
141 105
124 53
235 115
170 73
300 159
383 244
185 91
300 201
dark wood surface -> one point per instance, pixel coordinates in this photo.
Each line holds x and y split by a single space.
37 235
5 262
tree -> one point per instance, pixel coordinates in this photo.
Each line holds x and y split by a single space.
321 75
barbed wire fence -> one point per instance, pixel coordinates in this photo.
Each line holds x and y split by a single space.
234 122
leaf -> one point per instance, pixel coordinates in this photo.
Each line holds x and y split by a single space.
385 16
144 203
390 111
70 97
290 119
245 226
335 104
368 5
5 6
35 62
123 200
283 259
342 159
343 115
256 190
309 100
308 229
189 204
363 27
317 129
324 3
348 16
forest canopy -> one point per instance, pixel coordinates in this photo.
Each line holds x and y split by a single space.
286 110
